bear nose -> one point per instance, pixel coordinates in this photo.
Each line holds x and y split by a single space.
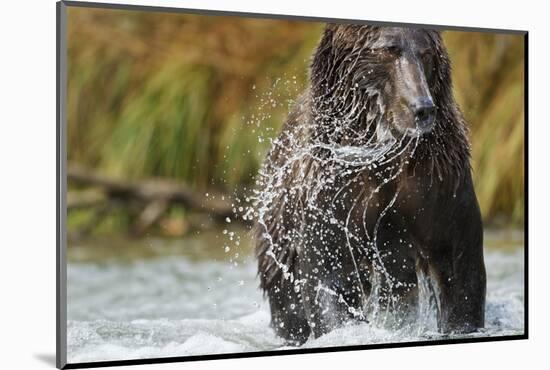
424 114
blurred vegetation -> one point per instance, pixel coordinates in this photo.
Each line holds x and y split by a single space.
191 97
488 76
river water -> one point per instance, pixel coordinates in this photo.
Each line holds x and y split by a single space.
161 298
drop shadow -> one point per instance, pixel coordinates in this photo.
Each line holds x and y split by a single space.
47 358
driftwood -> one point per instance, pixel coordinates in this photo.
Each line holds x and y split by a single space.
149 200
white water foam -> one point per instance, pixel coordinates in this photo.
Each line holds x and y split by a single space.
170 306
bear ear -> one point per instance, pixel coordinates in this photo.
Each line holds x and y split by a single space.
327 36
342 35
436 34
330 30
331 27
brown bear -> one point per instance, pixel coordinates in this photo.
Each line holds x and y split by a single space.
367 196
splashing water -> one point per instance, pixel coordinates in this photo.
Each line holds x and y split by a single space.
174 306
322 153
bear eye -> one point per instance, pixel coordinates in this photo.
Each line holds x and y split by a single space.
394 50
387 53
426 58
427 64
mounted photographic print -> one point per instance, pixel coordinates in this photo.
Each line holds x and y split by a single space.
235 185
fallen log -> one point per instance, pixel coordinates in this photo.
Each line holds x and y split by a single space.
154 197
85 199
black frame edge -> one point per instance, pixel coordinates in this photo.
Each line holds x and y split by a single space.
526 180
